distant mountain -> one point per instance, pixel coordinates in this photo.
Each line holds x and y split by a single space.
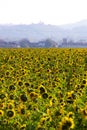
32 32
41 32
76 31
74 25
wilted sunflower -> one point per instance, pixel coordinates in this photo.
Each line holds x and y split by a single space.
33 95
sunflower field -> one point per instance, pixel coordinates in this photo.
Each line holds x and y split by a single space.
43 89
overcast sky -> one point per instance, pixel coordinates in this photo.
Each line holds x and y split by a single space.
55 12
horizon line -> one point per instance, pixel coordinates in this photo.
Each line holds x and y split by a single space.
42 23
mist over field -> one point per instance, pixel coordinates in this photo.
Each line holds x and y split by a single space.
38 35
36 32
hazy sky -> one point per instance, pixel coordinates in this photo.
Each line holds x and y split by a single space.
47 11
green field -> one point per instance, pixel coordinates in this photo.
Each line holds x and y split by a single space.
43 89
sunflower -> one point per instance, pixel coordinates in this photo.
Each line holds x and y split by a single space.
39 127
42 120
42 90
2 96
67 124
70 114
1 113
23 127
45 95
10 105
23 97
11 96
11 87
27 84
16 124
82 86
20 83
84 112
5 121
7 73
84 81
10 113
2 105
21 109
